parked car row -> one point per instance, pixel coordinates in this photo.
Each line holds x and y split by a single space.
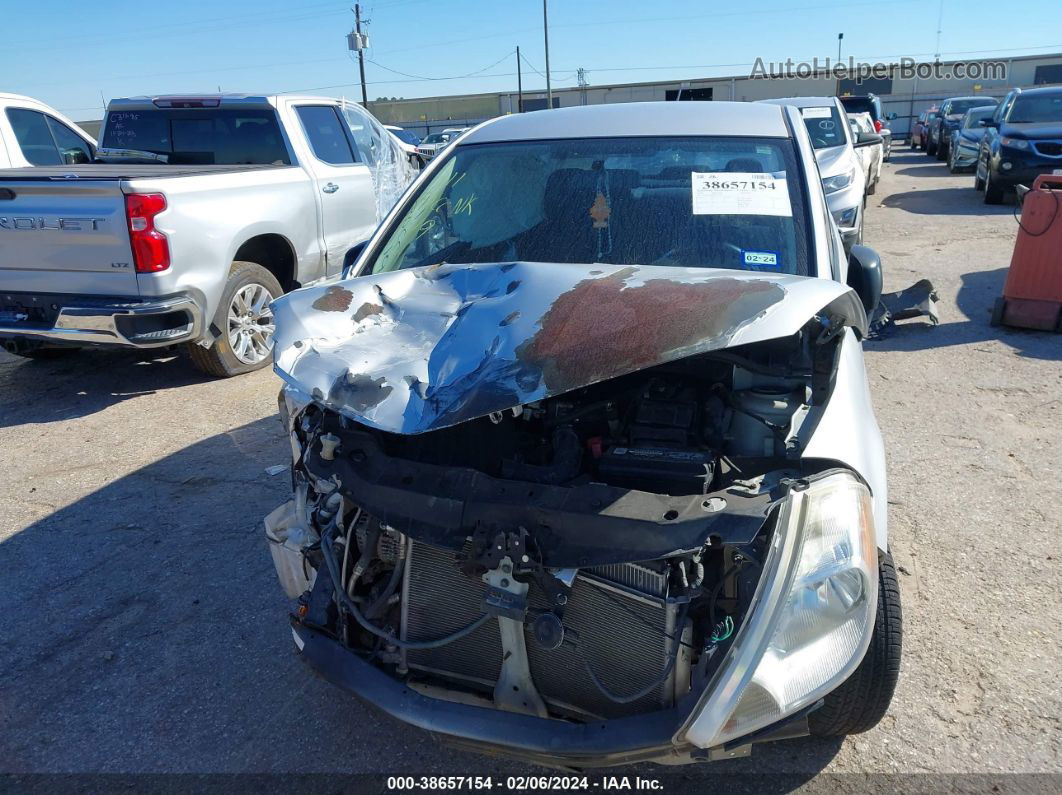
1006 143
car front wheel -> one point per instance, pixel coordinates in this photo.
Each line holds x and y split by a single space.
858 704
993 192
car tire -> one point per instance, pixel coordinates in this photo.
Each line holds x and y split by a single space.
872 186
942 153
862 701
979 184
247 281
931 150
993 193
951 162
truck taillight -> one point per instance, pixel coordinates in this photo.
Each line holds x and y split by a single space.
877 126
151 249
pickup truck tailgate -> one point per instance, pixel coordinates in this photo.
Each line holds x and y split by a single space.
64 236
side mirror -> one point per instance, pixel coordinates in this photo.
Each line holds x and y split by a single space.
864 276
890 115
868 139
352 256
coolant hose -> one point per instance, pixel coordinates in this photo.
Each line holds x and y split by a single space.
329 558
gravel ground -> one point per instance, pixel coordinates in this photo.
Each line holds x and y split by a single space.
145 631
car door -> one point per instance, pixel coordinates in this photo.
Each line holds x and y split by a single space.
346 200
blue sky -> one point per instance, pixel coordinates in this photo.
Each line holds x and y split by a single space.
69 54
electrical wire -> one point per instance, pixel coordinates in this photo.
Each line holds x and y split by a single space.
1050 221
455 77
327 552
652 685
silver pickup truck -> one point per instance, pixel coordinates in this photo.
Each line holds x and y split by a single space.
198 212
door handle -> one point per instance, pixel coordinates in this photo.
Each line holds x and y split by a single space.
331 187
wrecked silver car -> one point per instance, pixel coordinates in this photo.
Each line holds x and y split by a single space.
585 467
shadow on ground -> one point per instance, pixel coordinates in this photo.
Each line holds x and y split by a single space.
975 299
146 632
944 201
84 382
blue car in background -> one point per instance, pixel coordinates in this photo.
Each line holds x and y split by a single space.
966 138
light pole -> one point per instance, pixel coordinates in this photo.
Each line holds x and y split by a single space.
839 37
545 34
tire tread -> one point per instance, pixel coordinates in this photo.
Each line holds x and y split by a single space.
861 702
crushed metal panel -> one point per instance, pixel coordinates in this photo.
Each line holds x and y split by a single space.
415 350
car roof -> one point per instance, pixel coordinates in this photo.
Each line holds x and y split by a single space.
635 119
802 102
1041 90
988 100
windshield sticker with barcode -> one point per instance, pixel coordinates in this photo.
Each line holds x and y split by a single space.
739 193
816 113
761 260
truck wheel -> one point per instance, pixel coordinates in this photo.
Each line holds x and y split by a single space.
244 323
858 704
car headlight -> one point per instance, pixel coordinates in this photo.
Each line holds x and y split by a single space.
836 183
811 619
1014 143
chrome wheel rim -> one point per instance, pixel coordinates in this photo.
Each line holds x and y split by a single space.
251 324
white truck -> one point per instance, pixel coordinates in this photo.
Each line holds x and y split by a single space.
35 134
197 213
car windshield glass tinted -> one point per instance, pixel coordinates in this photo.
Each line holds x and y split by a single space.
434 138
975 116
693 202
824 126
406 137
1030 108
210 136
963 105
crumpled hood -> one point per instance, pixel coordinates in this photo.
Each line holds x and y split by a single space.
834 160
420 349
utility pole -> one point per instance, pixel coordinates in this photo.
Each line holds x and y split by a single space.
839 37
583 83
545 33
361 53
519 84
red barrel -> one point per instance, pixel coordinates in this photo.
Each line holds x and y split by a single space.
1032 294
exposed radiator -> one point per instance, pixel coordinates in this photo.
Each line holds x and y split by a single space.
623 635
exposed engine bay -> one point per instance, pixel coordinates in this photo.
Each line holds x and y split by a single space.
582 557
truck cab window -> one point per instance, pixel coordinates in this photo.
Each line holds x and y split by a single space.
34 138
73 148
325 133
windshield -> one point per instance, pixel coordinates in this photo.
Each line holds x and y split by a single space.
1033 108
406 136
692 202
963 105
859 105
200 137
824 126
434 138
975 116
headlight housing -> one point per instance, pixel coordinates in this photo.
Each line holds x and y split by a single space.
811 619
1014 143
838 182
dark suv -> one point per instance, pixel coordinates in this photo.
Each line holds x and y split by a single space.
947 121
1023 139
871 103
